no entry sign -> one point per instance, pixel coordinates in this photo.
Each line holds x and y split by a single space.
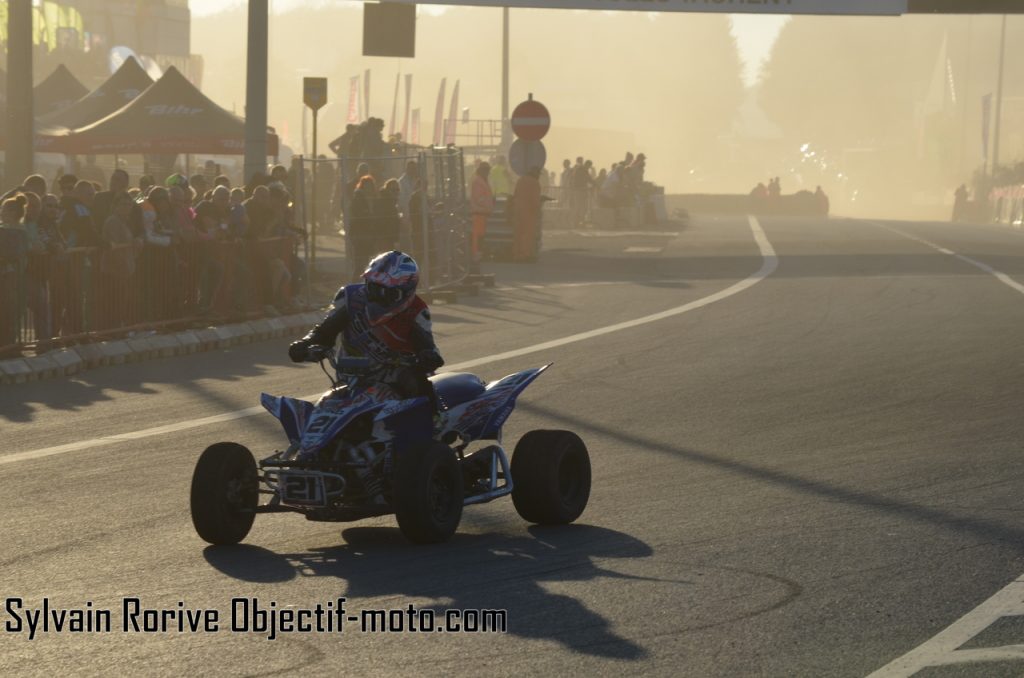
531 120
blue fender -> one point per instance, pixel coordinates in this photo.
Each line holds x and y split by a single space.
291 412
483 417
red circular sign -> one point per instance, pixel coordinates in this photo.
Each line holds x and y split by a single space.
531 120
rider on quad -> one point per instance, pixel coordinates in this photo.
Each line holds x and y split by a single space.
381 319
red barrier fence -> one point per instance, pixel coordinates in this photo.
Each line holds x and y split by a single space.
94 292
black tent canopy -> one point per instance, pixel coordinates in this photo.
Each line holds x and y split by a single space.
172 116
128 82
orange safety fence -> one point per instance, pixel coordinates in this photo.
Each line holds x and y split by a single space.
94 292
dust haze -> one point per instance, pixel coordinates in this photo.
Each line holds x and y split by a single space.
884 113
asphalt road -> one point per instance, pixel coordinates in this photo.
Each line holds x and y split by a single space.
811 477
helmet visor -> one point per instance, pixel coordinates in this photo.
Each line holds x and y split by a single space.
384 296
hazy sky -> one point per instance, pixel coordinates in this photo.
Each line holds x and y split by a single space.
755 34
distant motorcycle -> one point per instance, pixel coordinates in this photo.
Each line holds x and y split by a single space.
358 452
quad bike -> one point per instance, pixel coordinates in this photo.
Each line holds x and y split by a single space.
360 452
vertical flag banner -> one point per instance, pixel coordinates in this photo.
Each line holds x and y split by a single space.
408 103
415 139
394 106
986 124
453 116
439 114
353 101
366 94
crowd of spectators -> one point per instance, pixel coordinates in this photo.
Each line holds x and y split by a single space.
384 214
584 187
769 199
81 257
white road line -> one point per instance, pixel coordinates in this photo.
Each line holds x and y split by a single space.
625 234
768 265
595 283
942 649
999 275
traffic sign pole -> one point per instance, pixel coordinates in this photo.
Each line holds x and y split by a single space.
314 95
312 247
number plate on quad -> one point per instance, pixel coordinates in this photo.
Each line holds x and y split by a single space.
302 489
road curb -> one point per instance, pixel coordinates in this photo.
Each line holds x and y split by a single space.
68 361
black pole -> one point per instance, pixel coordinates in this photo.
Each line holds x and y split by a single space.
999 100
256 88
20 132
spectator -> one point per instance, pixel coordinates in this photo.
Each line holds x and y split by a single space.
118 264
222 180
183 217
564 181
238 222
66 186
159 219
13 254
279 173
44 248
199 187
417 212
821 202
238 231
257 179
258 212
579 185
361 224
325 182
388 221
104 200
33 183
500 179
213 215
526 205
481 205
408 184
76 223
342 146
959 203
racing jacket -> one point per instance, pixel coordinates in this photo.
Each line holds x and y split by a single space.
400 342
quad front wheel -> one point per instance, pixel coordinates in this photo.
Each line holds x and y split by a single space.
550 477
225 490
428 493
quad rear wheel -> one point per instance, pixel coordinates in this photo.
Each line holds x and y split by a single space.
428 493
225 490
550 477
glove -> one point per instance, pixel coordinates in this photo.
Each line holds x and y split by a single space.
298 351
428 360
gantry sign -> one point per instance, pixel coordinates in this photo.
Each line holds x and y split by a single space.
835 7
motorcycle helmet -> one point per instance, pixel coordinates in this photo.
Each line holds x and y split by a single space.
391 280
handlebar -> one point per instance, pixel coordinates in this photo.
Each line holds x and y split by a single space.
350 366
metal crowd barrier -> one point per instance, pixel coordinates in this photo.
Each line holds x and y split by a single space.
439 240
90 293
1007 204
